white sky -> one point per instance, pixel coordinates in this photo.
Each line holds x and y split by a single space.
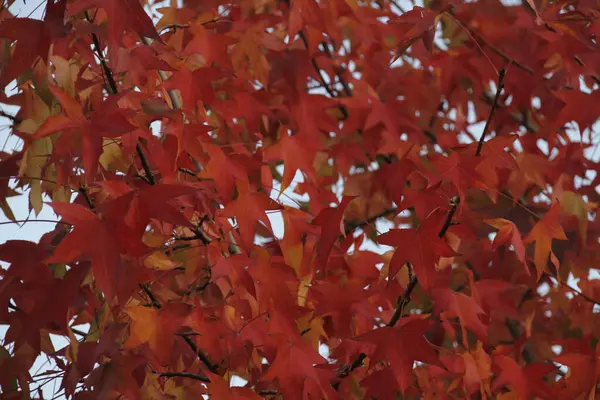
34 230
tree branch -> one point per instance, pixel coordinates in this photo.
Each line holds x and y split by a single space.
115 90
214 368
13 118
153 300
145 164
350 226
107 72
487 43
197 377
501 74
405 298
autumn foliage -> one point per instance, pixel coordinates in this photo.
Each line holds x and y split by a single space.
320 199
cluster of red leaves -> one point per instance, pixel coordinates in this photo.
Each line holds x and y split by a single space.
165 272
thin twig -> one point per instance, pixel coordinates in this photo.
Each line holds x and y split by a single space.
145 164
153 300
85 195
107 72
197 377
74 330
346 369
268 393
115 90
405 298
487 43
214 368
13 118
353 225
500 85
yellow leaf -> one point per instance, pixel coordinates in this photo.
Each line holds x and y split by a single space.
572 203
303 290
543 232
111 158
159 260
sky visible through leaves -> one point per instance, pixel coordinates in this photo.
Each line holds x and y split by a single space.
34 230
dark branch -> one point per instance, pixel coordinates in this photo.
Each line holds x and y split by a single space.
153 300
112 84
403 301
405 298
145 164
214 368
85 195
197 377
501 74
353 225
13 118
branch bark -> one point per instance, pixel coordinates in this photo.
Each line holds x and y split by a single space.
500 85
189 375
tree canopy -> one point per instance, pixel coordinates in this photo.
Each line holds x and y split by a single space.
316 199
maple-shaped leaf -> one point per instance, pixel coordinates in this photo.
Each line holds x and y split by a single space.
467 310
155 327
226 171
296 155
331 221
508 234
122 15
543 232
34 38
112 239
219 388
417 23
35 279
196 85
106 121
8 168
275 283
91 238
575 109
293 365
460 169
495 153
582 376
250 209
342 303
296 226
401 346
422 247
213 47
526 381
295 362
234 269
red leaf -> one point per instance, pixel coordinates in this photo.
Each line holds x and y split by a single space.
401 346
543 232
122 15
422 247
34 38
